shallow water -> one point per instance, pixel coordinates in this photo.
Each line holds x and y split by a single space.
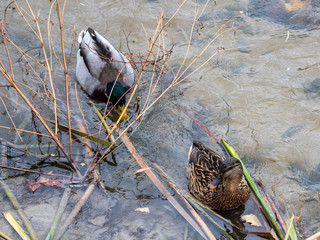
259 97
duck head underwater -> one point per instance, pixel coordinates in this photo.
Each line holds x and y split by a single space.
102 71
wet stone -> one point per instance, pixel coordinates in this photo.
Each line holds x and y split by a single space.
290 132
313 87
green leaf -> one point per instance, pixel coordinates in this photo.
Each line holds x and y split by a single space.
85 135
254 189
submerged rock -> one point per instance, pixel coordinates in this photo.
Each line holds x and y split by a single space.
293 130
313 87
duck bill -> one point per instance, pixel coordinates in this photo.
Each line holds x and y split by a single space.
120 110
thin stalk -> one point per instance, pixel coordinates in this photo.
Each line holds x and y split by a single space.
35 19
5 237
60 211
289 229
76 210
65 70
274 208
26 131
314 237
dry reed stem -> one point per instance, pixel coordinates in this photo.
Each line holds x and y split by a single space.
11 80
36 172
158 183
314 237
39 35
26 131
75 210
274 208
5 237
194 213
65 75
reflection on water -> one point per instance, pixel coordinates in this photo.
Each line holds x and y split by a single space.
262 97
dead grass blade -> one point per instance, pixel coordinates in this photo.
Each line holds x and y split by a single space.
17 206
5 237
158 183
290 229
314 237
15 225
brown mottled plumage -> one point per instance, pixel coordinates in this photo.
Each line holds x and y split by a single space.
215 181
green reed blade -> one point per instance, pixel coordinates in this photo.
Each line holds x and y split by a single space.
103 122
85 135
254 189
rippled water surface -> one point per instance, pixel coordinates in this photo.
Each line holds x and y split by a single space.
261 95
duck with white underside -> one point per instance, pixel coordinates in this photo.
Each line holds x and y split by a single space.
103 72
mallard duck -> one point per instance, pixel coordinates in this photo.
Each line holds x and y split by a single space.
102 70
214 180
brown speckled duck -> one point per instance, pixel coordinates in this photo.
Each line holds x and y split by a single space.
214 180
